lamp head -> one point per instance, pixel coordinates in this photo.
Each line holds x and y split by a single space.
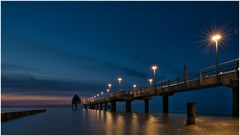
154 67
150 80
119 79
216 37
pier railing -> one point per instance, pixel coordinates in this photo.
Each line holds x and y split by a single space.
196 75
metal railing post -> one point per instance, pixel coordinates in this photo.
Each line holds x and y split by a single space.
200 76
185 73
177 79
237 68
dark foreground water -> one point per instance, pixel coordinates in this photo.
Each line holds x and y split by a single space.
65 121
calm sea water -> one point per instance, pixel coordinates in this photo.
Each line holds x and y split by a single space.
65 121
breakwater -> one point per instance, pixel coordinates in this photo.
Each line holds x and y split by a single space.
13 115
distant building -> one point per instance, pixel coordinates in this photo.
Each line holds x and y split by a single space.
75 102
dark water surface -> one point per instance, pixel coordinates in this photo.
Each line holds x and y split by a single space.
65 121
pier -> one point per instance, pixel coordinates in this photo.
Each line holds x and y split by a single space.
224 74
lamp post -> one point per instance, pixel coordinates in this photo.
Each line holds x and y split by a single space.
154 68
150 81
94 97
134 89
134 86
216 38
109 86
119 82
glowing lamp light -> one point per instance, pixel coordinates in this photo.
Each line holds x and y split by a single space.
102 93
216 37
150 81
109 86
108 90
119 80
134 86
154 68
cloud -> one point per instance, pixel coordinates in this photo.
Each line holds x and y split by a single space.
46 52
12 67
46 86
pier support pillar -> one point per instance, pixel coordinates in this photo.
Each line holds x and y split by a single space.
146 105
128 106
165 104
100 106
235 101
113 106
105 106
191 111
97 106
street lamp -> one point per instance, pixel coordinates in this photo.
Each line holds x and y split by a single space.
109 86
216 38
102 93
119 82
150 81
154 68
134 86
97 95
108 90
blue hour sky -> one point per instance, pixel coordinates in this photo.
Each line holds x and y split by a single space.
57 49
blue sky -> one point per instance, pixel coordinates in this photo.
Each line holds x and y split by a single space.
62 48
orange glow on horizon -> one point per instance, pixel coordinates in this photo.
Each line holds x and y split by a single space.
12 99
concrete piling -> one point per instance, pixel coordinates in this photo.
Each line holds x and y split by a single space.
146 105
105 106
97 107
165 104
113 106
128 106
191 111
235 101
